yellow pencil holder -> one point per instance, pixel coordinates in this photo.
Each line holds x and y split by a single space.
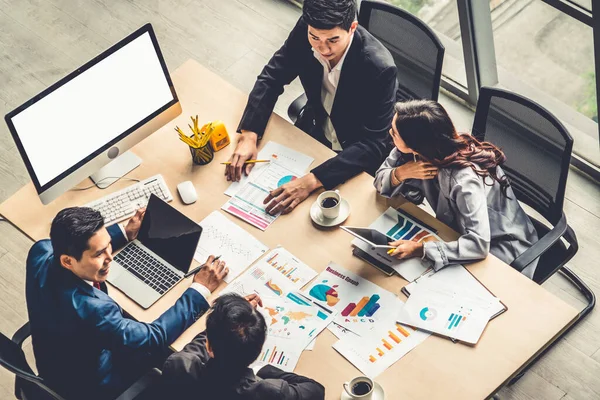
202 155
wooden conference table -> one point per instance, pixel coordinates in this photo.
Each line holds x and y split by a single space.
435 369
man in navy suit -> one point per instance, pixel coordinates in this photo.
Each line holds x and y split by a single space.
85 348
350 81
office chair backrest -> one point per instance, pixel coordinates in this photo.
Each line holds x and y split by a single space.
537 147
417 51
13 359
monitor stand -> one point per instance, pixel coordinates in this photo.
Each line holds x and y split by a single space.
114 170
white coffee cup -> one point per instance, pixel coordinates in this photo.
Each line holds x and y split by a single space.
360 388
334 210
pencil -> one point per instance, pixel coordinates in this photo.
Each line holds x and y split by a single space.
390 251
247 162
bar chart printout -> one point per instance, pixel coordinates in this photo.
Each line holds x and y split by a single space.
281 353
289 266
382 349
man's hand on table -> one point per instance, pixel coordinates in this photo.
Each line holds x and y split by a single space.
211 274
245 150
286 197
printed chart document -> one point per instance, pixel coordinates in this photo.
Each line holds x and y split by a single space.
288 320
463 281
280 352
267 279
446 311
360 303
291 159
398 225
222 237
385 345
247 203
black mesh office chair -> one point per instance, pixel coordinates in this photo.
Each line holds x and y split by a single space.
538 151
29 386
417 52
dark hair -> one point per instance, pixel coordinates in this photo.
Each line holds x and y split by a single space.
71 230
236 331
329 14
426 127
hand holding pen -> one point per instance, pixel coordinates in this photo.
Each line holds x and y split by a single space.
209 274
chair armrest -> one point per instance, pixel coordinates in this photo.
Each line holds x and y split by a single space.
542 245
296 107
21 334
149 379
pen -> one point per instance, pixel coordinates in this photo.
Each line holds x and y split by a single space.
192 272
247 162
390 251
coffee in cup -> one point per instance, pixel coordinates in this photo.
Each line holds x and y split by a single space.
329 203
360 388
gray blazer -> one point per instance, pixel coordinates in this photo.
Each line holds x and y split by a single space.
487 220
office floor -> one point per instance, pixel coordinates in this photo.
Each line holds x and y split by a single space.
43 40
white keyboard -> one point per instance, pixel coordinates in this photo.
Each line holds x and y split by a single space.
121 205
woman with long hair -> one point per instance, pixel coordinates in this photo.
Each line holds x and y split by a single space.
462 181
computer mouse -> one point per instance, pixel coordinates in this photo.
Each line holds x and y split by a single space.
187 192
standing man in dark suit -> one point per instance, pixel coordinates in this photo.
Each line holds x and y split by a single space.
214 366
349 79
85 348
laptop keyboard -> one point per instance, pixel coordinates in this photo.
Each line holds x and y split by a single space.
147 268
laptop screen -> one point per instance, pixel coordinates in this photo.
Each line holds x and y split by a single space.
169 234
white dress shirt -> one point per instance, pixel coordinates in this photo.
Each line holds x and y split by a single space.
200 288
331 78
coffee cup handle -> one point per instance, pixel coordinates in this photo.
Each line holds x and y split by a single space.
347 389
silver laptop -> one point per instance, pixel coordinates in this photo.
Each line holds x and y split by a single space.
151 265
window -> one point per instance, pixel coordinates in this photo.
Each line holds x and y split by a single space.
548 56
442 17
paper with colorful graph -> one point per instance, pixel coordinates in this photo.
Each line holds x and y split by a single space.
399 226
288 320
276 274
448 311
277 153
385 344
248 202
360 303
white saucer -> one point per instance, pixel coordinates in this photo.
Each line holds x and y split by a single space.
378 393
317 216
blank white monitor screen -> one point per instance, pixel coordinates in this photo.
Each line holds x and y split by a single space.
94 108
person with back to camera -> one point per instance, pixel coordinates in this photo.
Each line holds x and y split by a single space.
463 182
215 365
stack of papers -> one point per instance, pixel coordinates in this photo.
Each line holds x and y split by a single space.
370 337
398 225
248 195
222 237
463 281
448 310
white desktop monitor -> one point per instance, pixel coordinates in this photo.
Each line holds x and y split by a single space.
82 122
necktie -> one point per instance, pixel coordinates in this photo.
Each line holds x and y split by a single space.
97 285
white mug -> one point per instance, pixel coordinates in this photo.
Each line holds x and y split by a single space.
360 382
330 212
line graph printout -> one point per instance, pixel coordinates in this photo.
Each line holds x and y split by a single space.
237 248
